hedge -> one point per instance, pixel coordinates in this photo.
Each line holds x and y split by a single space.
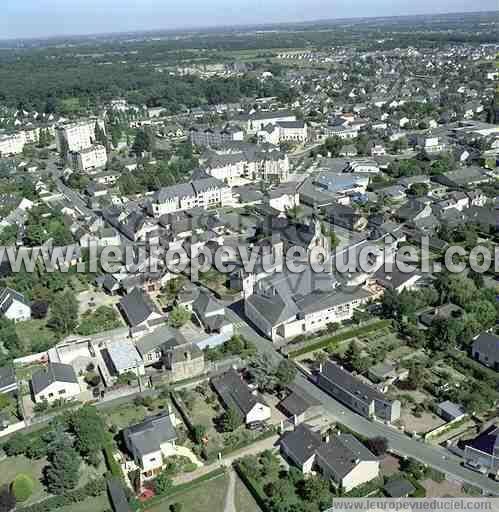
113 467
253 488
92 489
183 488
352 333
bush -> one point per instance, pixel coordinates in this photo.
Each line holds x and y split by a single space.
176 507
22 487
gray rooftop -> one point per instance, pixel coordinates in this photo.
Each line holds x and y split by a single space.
55 372
148 436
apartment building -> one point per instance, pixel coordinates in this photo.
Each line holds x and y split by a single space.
259 120
253 164
77 136
206 193
12 144
93 157
213 137
284 131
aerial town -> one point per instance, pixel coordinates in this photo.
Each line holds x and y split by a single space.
145 366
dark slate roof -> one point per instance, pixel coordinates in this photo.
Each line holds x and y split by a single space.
488 345
7 376
399 488
55 372
487 441
155 339
117 496
343 452
298 401
302 443
234 392
206 304
350 383
146 437
137 306
393 279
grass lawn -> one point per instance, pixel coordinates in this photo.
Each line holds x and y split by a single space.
244 500
35 336
125 415
206 497
99 504
12 466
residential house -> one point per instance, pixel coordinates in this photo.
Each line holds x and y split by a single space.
139 311
342 459
14 306
151 443
235 394
299 405
485 348
55 382
482 453
8 380
356 394
123 357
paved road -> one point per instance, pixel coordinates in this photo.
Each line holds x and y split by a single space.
230 498
434 456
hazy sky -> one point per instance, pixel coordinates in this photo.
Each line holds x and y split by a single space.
34 18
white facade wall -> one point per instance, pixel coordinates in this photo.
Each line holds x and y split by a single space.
260 412
18 312
58 391
90 158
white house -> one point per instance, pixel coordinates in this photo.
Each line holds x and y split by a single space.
151 443
57 381
14 306
235 394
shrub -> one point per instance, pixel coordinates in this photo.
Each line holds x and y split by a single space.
22 487
176 507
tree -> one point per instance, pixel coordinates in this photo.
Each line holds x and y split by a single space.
163 483
262 371
5 401
179 316
64 313
316 489
199 432
378 445
270 465
285 373
231 420
7 499
62 474
22 487
176 507
89 430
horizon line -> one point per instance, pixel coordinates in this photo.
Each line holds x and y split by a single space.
200 28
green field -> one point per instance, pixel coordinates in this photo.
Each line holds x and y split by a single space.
99 504
13 466
244 500
206 497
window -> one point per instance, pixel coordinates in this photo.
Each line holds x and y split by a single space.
51 395
62 392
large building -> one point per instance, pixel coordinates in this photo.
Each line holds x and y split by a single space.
205 193
359 396
259 120
284 131
213 137
12 144
77 136
250 162
285 305
93 157
485 348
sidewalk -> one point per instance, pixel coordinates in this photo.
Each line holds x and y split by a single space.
253 449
